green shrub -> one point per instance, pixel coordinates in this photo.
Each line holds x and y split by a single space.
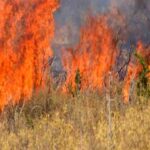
143 86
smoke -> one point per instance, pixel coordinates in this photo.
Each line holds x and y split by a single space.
75 10
131 17
71 16
136 25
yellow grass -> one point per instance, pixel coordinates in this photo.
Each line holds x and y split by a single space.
57 122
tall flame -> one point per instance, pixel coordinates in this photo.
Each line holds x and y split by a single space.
135 68
93 57
26 30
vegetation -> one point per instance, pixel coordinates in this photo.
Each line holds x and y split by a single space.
51 120
143 87
80 120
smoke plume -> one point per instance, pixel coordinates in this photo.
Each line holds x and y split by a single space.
134 24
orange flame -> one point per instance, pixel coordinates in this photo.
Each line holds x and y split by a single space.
26 30
94 56
134 69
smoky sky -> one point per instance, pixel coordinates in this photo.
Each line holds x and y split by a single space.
72 13
137 18
75 9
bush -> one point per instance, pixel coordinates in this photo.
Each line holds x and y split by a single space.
143 86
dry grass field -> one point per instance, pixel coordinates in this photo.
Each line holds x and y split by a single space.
86 121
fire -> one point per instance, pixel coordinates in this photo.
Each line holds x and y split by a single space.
93 57
134 69
26 30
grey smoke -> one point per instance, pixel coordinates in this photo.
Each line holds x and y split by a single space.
72 14
137 19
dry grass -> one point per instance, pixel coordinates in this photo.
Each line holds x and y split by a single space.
58 122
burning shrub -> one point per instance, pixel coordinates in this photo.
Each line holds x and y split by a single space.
138 70
93 57
26 31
